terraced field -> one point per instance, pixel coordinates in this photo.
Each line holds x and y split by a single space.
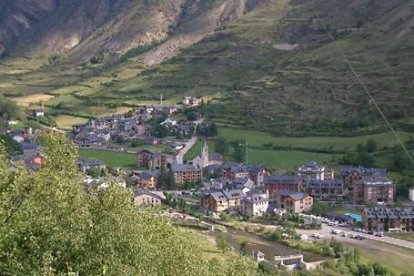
305 90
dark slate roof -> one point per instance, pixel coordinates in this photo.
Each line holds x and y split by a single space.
257 198
254 169
238 169
144 150
90 162
212 167
147 175
215 156
183 168
229 164
139 192
386 212
364 171
93 138
218 196
378 181
280 179
29 146
293 195
234 194
298 196
256 191
327 184
240 180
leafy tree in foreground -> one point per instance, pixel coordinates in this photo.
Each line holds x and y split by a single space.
49 225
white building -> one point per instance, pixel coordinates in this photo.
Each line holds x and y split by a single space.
411 194
169 122
39 113
191 101
255 204
314 171
259 256
18 139
106 136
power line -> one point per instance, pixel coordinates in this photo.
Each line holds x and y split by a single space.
357 76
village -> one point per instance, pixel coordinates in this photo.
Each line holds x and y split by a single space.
210 189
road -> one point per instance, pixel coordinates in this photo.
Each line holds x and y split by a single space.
372 240
53 129
188 145
326 231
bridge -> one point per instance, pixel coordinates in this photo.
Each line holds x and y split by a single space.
211 226
298 264
281 259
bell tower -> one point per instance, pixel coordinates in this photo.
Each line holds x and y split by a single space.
204 155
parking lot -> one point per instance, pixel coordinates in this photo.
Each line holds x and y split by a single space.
326 232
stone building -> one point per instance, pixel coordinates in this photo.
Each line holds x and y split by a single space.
186 173
314 171
382 219
325 189
276 183
373 190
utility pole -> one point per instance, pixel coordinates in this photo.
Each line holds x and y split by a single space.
246 153
161 98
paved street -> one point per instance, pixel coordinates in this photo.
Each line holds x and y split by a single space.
326 231
188 145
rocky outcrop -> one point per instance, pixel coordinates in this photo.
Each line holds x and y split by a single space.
196 27
81 28
19 16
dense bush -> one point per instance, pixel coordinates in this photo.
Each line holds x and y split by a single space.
51 226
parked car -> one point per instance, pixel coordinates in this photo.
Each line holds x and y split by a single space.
359 237
379 234
336 231
318 235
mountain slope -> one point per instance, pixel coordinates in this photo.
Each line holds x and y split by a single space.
80 29
310 88
265 64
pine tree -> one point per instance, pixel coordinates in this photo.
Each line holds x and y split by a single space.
163 179
171 180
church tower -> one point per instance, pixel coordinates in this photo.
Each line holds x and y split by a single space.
204 155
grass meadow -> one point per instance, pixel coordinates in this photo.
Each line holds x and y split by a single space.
260 138
287 160
67 121
111 158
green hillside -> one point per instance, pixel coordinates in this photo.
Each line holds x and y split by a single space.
269 66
